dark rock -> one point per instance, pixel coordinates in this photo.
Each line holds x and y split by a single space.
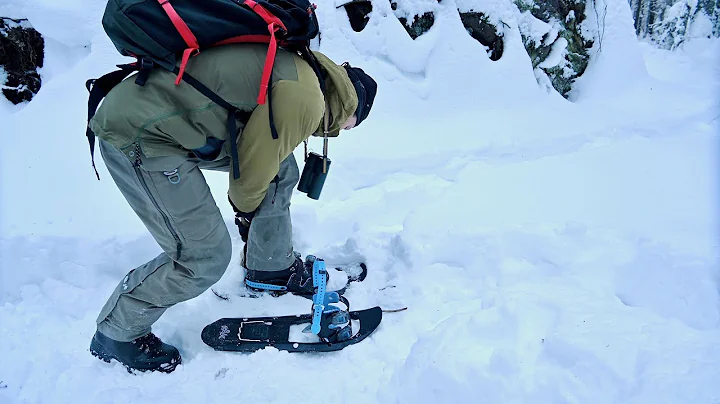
22 52
565 15
358 11
548 9
480 28
569 14
420 25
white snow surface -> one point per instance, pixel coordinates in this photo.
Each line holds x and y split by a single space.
548 251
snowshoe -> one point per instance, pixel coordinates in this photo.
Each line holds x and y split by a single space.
330 324
252 334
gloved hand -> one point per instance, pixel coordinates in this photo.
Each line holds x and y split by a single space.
243 221
243 225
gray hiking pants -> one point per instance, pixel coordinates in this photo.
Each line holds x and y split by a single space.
172 199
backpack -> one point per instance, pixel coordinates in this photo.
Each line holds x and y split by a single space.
159 33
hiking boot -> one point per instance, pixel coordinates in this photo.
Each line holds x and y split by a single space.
297 279
145 353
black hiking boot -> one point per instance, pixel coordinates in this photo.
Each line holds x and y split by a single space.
297 279
143 354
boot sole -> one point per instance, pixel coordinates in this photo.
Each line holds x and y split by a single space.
255 293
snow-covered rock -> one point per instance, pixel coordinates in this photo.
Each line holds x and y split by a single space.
554 38
22 52
552 31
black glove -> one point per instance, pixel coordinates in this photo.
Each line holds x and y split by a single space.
243 225
243 221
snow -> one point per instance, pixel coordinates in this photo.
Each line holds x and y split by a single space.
548 251
701 26
557 54
536 29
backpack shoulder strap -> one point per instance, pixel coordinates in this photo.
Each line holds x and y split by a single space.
233 115
99 88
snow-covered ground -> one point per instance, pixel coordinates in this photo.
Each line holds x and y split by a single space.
548 251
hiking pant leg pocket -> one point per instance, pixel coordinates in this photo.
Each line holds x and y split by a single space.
187 199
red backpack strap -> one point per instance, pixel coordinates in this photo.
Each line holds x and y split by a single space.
274 24
269 62
185 32
267 16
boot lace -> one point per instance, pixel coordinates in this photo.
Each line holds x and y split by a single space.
148 342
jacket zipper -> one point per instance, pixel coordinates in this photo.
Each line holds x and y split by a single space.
136 166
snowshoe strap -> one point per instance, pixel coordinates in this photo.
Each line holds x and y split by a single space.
265 286
319 283
334 325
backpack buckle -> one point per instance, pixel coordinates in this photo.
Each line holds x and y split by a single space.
145 63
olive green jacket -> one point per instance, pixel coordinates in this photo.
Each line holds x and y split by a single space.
164 119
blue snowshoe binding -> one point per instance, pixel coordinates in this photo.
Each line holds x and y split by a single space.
329 322
299 279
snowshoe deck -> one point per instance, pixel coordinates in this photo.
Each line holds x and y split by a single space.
252 334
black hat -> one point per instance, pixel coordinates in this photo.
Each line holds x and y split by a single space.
365 87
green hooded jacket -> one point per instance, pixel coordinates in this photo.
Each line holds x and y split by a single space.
161 118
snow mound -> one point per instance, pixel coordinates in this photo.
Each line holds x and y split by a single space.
519 355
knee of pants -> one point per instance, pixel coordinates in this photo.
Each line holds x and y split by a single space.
221 260
212 268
